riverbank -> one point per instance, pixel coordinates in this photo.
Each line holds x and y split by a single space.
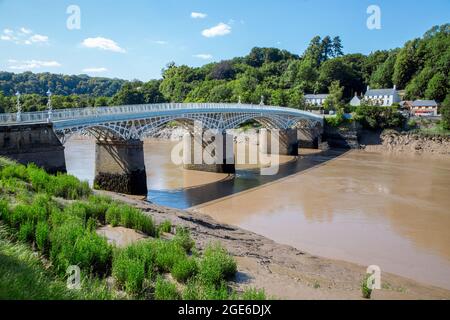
410 143
283 271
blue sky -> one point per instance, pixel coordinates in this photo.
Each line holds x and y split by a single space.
135 39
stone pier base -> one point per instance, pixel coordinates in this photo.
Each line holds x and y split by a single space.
216 154
120 167
309 138
281 142
33 143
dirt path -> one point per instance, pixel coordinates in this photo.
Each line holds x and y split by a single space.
283 271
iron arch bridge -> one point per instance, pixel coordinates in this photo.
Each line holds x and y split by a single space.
139 121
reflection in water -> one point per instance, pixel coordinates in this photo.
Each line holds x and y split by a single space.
367 208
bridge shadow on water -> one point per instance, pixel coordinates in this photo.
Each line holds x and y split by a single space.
243 180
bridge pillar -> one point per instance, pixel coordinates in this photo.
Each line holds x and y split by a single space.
33 143
120 167
213 153
281 142
309 138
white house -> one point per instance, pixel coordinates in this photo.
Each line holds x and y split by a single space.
356 101
315 99
424 108
382 97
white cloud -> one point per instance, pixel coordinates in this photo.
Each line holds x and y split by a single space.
23 36
161 42
38 38
221 29
95 70
198 15
204 56
32 64
103 44
25 30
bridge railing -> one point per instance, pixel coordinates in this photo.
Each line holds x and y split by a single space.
77 113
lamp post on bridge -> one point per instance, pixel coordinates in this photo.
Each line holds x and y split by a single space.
262 101
49 106
19 108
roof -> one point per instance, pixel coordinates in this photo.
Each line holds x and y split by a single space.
316 96
424 103
380 92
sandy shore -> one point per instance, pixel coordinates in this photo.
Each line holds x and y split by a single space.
283 271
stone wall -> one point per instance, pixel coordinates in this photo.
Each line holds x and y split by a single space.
35 143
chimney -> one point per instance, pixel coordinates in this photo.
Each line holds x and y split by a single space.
395 87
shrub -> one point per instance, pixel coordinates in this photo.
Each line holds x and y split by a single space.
374 117
216 265
184 269
38 178
183 239
42 236
165 290
4 210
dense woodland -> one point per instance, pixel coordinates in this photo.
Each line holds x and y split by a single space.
421 68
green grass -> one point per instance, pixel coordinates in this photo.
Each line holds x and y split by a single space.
166 290
58 217
216 265
23 276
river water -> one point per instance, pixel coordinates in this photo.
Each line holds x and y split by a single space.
369 208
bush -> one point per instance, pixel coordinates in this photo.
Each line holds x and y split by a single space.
165 290
183 239
14 171
184 269
375 117
216 265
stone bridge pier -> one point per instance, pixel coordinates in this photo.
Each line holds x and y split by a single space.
279 142
33 143
309 138
209 152
120 167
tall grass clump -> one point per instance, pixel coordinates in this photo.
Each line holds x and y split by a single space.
129 217
184 269
168 253
216 265
183 239
166 290
165 227
132 265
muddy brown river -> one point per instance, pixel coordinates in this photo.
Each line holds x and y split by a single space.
369 208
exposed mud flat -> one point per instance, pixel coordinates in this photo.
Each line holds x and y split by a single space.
283 271
120 236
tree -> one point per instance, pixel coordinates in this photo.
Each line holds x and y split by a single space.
383 73
337 47
222 71
406 64
445 111
129 94
437 87
334 99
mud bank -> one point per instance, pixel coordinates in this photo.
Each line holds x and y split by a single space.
283 271
394 142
